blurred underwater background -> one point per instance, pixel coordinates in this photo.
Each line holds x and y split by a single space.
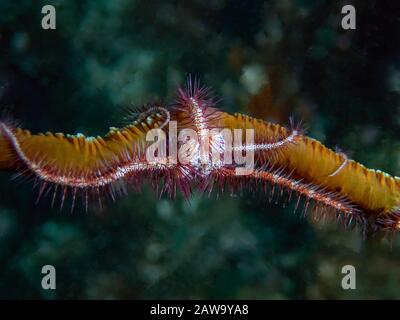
270 59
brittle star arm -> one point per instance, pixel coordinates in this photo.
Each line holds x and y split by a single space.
376 193
77 163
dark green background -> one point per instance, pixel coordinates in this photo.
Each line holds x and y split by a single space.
107 55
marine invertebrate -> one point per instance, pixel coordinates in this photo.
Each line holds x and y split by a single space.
201 157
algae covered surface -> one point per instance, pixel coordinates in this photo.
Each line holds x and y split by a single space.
271 59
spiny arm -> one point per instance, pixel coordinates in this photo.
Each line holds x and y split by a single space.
308 159
72 159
